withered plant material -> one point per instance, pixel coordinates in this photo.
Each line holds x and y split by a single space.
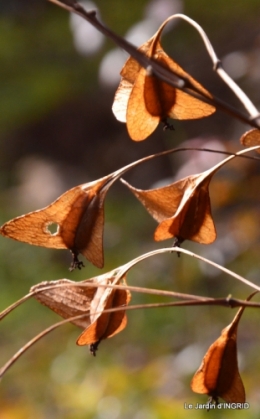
164 73
218 374
182 208
142 100
105 324
188 199
67 298
90 297
251 138
77 215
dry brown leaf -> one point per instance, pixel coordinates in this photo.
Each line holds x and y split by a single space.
142 100
67 298
218 374
188 199
251 138
105 325
193 219
78 217
182 208
90 297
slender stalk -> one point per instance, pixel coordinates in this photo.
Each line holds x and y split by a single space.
14 305
226 302
217 66
128 266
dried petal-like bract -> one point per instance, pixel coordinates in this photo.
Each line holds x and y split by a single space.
91 297
218 374
142 100
105 324
182 208
67 298
78 216
251 138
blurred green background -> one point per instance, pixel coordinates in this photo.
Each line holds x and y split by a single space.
57 130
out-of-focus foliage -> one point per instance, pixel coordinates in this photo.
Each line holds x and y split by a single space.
57 130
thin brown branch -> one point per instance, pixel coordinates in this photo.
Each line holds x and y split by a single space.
226 302
14 305
217 66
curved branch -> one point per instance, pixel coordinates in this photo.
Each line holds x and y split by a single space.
217 66
163 73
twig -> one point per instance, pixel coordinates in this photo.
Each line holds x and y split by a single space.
217 66
14 305
226 302
128 266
